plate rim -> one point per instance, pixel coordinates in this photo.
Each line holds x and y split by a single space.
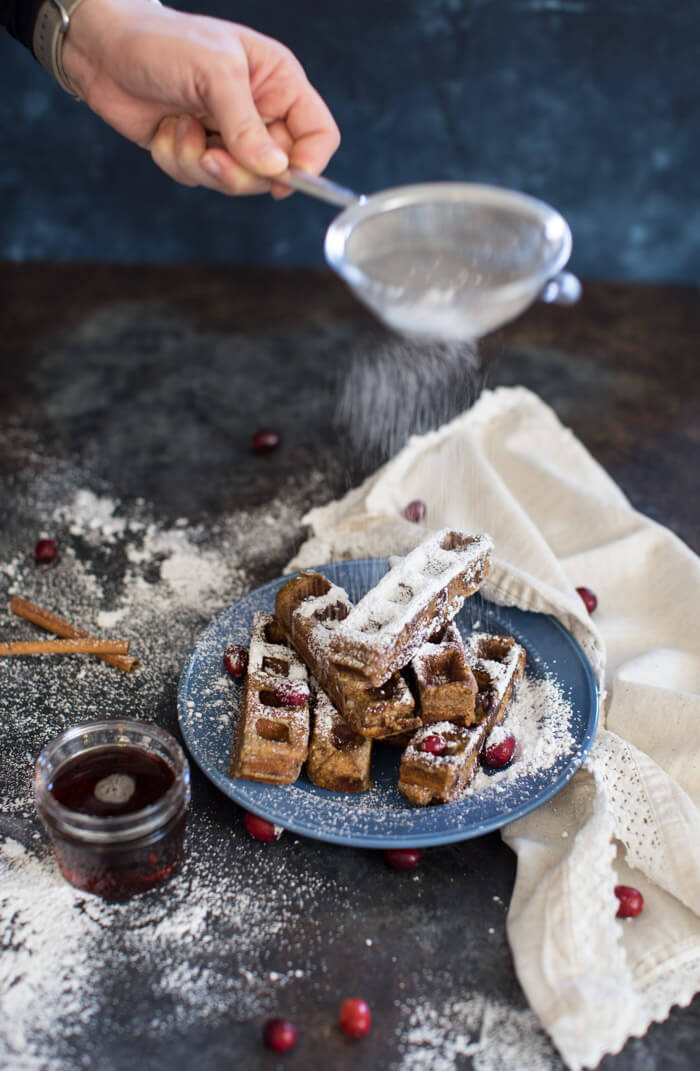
227 785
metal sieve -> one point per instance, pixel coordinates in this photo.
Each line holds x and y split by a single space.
449 260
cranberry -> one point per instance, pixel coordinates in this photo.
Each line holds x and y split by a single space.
292 693
589 598
434 745
500 754
46 551
415 511
265 440
280 1035
631 901
261 829
402 858
355 1018
236 660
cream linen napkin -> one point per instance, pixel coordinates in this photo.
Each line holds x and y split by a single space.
630 816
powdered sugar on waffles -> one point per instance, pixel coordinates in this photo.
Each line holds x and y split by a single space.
539 718
408 587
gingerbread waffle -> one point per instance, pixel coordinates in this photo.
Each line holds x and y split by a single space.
421 594
308 609
272 734
427 778
339 758
269 652
443 682
498 664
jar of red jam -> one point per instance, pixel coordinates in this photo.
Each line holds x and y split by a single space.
113 797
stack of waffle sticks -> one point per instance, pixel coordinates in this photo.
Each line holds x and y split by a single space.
326 678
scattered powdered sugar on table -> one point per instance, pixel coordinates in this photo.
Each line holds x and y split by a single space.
489 1033
123 573
59 952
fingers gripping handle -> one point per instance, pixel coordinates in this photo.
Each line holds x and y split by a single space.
316 186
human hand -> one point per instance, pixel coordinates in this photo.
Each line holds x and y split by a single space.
164 79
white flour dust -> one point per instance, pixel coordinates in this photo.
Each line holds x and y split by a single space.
493 1036
123 574
60 953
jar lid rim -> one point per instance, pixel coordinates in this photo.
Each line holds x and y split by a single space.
112 828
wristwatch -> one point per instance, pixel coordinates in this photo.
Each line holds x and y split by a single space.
50 29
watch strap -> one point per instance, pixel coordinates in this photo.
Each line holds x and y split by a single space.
50 29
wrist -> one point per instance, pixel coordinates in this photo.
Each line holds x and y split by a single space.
71 37
53 21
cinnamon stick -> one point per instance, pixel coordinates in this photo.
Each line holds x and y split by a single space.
87 646
55 624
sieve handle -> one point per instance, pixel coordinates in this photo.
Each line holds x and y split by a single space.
562 289
323 188
313 185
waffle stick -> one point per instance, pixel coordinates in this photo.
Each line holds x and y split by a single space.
272 735
419 595
498 664
442 681
339 758
307 609
426 778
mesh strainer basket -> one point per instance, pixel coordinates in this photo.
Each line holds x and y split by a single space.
447 260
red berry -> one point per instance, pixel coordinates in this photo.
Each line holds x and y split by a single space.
292 693
631 901
402 858
500 753
434 745
236 660
46 551
265 440
415 511
280 1035
355 1017
261 829
589 598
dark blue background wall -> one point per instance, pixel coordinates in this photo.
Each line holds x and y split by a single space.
589 104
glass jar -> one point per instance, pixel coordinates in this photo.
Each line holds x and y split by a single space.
113 797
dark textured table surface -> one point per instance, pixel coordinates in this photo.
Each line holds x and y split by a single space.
128 399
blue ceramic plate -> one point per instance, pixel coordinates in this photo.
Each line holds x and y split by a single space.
554 719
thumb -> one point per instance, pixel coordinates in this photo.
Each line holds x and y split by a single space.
243 131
